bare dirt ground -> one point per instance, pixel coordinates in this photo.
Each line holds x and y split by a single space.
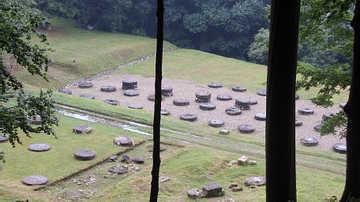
188 89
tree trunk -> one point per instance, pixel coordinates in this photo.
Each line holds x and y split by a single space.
280 102
352 109
157 109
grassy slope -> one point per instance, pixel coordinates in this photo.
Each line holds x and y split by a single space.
320 173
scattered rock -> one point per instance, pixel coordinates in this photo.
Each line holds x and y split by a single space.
255 181
123 141
213 190
65 91
193 193
138 160
226 200
242 160
233 185
224 132
82 129
125 158
327 115
113 158
4 138
232 162
298 122
118 169
152 97
243 103
236 189
164 179
73 194
89 96
252 163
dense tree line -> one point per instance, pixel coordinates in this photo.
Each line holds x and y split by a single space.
224 27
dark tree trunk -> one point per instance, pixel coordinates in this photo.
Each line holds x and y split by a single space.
352 109
280 102
157 111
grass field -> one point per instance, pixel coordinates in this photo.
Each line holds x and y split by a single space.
190 161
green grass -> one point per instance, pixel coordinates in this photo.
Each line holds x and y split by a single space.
320 174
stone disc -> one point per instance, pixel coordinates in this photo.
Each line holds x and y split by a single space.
89 96
327 115
188 117
4 138
123 141
207 106
261 92
34 180
216 123
306 111
203 94
65 91
317 127
233 111
246 128
165 112
339 148
239 88
131 92
39 147
224 97
181 102
215 85
85 85
135 106
108 88
111 101
260 116
84 154
309 141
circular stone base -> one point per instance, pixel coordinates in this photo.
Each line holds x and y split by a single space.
224 97
261 92
131 92
65 91
181 102
327 115
84 154
4 138
239 88
339 148
309 141
317 127
135 106
233 111
246 128
118 170
82 129
34 180
39 147
207 106
111 101
123 141
108 89
129 84
165 112
188 117
215 85
298 122
216 123
89 96
260 116
86 85
306 111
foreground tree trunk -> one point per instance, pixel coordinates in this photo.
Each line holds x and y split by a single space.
280 102
352 109
157 109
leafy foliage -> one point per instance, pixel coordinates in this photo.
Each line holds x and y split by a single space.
18 25
259 49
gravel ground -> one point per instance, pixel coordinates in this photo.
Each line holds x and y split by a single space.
188 89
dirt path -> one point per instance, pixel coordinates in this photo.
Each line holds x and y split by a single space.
187 90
